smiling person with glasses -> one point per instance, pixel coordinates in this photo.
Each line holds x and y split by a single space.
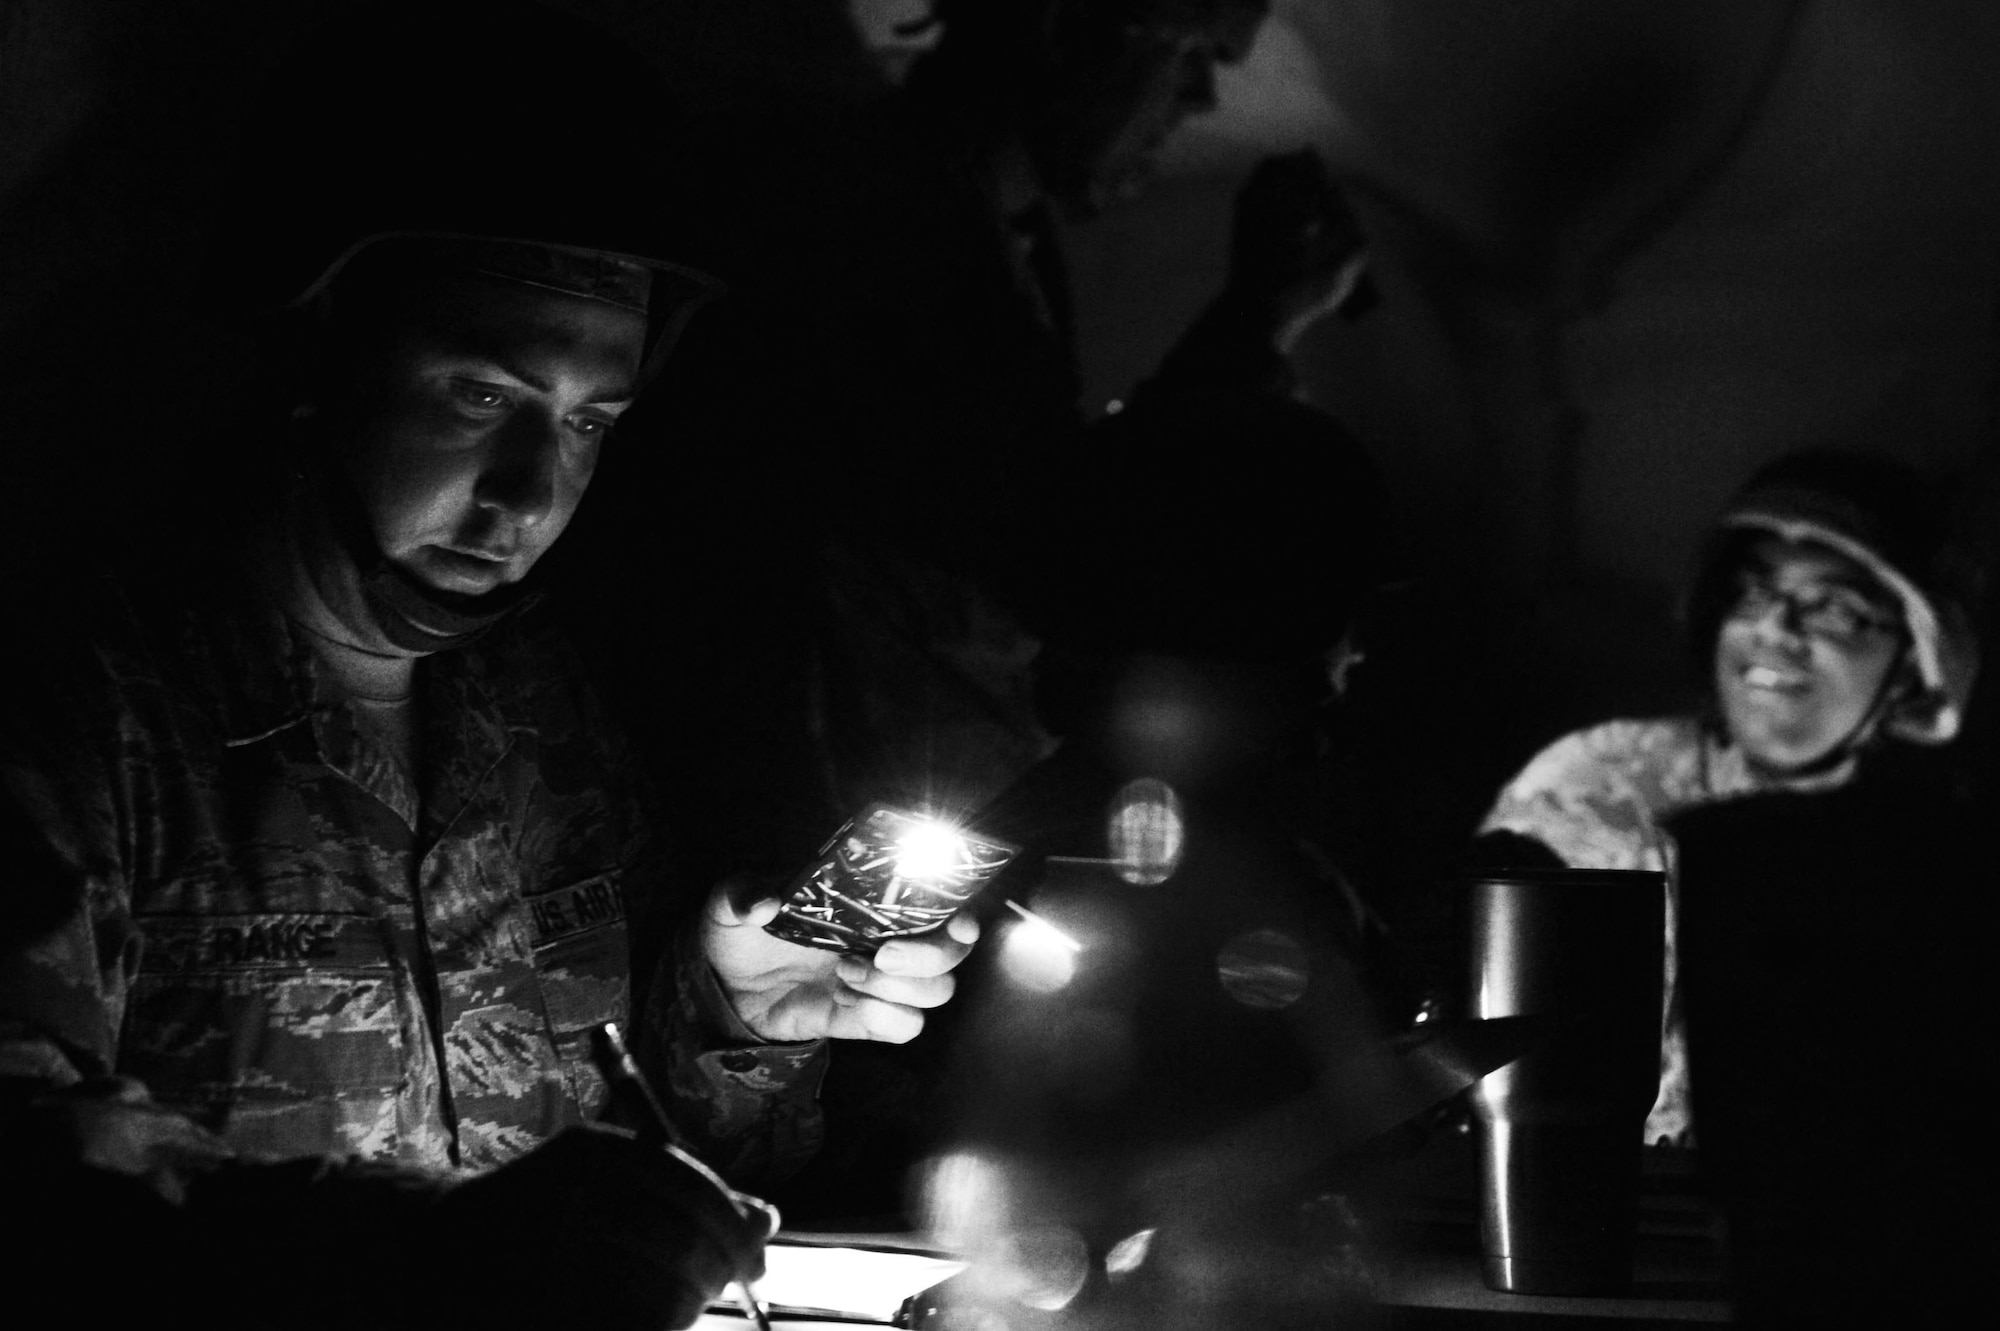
1826 616
1810 656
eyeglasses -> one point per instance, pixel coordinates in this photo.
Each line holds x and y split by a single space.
1827 611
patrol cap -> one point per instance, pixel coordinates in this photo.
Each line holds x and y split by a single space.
501 136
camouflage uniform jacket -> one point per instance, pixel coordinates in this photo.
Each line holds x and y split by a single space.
250 908
1599 799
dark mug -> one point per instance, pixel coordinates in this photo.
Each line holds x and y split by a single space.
1561 1129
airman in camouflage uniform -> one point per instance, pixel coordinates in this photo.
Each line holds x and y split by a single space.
322 864
1868 644
285 938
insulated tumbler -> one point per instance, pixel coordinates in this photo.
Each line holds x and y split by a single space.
1561 1129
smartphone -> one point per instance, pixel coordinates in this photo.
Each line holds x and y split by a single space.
887 873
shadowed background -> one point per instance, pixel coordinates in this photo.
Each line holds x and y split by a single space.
1626 252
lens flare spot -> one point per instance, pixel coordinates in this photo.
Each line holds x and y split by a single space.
1045 1267
1037 957
957 1198
1263 969
1129 1253
1147 831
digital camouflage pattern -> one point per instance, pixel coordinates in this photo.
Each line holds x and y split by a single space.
1599 798
254 911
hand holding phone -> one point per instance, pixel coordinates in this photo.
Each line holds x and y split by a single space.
862 943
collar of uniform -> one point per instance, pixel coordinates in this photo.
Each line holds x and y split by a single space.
264 680
255 675
1729 773
269 678
475 706
486 676
270 681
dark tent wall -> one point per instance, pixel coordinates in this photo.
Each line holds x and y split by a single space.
1626 250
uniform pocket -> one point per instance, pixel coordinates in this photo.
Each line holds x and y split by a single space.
583 961
268 1007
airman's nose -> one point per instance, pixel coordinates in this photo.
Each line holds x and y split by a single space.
519 479
1779 622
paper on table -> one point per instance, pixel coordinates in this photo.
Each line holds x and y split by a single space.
862 1283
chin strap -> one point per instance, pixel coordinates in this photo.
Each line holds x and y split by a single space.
422 619
1869 727
409 614
1849 748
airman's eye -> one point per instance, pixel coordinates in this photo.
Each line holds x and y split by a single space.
477 399
1834 617
591 427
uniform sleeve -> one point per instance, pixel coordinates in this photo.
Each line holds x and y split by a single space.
1595 798
67 945
1578 797
97 1163
750 1108
747 1108
68 952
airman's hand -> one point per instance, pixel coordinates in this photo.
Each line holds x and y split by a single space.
784 991
625 1234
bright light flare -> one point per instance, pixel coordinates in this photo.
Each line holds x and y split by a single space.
887 873
929 850
1129 1253
1038 956
1040 923
855 1282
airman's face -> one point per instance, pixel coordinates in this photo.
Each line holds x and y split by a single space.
1804 653
474 427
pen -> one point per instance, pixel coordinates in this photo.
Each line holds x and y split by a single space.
614 1063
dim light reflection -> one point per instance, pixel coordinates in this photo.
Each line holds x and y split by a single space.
1147 831
1129 1253
969 1204
1044 1267
960 1197
1264 969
